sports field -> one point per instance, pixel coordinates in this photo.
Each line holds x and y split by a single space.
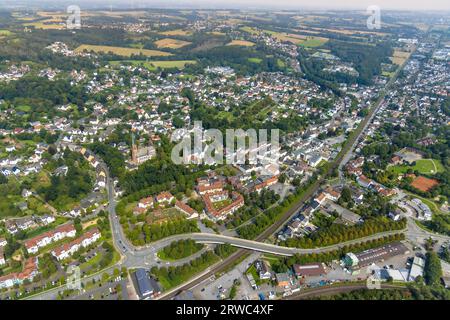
424 166
424 184
122 51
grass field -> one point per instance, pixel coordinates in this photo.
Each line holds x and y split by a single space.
154 65
24 108
123 51
301 40
243 43
171 43
255 60
313 42
5 33
399 57
217 33
424 166
281 63
177 32
48 24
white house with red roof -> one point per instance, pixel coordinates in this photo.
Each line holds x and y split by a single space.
68 249
64 231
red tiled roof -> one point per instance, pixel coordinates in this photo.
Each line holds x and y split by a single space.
67 246
184 207
63 228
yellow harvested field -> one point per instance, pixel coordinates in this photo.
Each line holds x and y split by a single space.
305 40
241 43
122 51
349 32
177 32
399 57
53 23
217 33
171 43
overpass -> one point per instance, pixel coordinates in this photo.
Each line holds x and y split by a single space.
211 238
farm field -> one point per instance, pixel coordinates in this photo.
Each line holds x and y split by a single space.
255 60
424 166
48 24
154 65
122 51
171 43
303 40
312 42
241 43
176 32
5 33
399 57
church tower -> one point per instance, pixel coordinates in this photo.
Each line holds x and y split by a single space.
134 150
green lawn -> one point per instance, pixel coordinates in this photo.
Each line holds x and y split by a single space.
4 32
255 60
162 255
424 166
281 63
222 204
24 108
312 43
95 260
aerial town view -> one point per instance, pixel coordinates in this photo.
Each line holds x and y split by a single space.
205 150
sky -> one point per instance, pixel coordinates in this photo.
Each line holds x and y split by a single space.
431 5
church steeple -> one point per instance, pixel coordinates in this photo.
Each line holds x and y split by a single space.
134 150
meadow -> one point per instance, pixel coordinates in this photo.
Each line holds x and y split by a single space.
171 43
424 166
122 51
243 43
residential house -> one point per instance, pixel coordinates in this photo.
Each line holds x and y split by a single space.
64 231
68 249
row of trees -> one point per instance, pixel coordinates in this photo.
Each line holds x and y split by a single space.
153 232
366 294
337 233
287 263
432 269
173 276
180 249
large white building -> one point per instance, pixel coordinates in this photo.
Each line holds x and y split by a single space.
64 231
68 249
